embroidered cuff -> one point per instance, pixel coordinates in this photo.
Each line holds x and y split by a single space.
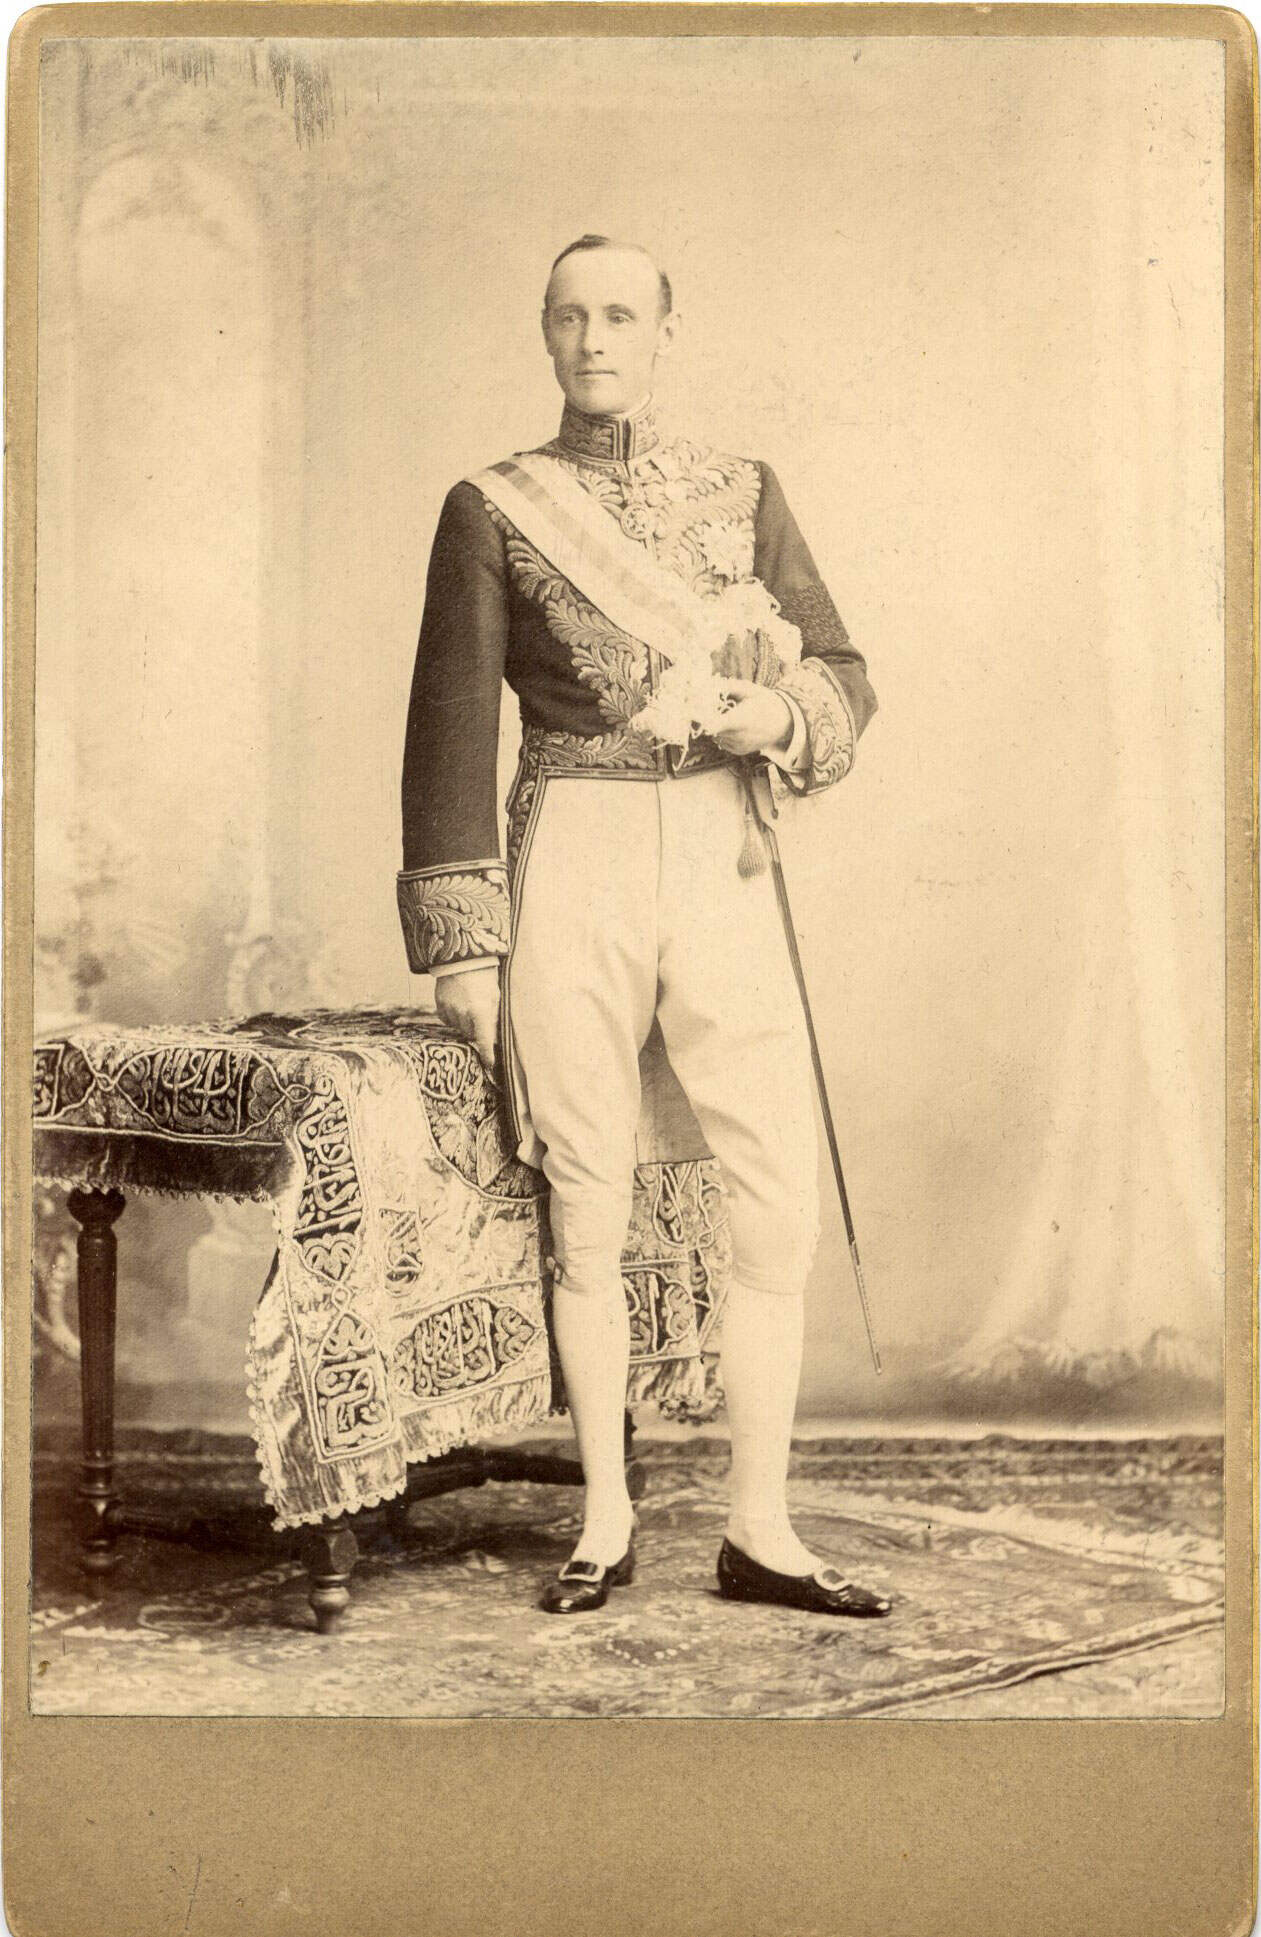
453 915
829 724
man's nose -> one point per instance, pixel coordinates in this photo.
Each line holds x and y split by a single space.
594 336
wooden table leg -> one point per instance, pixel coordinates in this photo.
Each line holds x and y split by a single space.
636 1476
95 1212
331 1559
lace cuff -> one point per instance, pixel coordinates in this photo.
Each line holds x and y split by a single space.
440 969
453 914
795 757
829 725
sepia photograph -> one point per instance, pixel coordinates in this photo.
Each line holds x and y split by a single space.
628 1109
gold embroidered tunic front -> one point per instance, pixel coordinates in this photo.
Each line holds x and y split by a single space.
496 609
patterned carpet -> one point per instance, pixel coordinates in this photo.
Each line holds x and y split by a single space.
1030 1577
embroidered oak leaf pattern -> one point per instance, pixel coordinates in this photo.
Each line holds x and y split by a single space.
609 661
698 507
532 572
576 750
726 547
829 723
450 917
520 805
693 509
618 676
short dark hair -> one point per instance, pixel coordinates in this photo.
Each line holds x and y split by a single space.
611 242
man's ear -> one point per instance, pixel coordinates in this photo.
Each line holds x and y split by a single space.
543 324
667 331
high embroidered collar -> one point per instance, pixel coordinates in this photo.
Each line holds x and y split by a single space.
613 439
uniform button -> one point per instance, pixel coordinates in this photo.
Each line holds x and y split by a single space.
637 521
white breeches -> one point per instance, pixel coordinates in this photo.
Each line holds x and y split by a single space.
631 904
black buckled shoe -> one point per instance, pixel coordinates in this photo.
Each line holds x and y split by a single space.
583 1584
826 1591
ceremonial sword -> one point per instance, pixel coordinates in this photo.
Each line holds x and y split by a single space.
747 770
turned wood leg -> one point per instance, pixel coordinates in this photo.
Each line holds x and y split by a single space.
331 1562
636 1477
397 1516
95 1212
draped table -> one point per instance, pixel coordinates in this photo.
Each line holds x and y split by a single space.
407 1305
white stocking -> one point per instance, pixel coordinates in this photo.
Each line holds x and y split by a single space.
761 1368
591 1325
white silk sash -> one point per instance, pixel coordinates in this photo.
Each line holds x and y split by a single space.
574 532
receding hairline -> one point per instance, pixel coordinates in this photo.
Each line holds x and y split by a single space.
602 244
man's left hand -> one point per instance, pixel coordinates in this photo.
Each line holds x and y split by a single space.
759 720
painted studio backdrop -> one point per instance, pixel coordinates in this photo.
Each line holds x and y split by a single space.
965 297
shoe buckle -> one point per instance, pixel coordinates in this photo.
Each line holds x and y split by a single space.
831 1578
580 1570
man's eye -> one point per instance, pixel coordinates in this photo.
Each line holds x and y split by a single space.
619 316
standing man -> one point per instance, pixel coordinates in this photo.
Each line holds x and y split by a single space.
655 609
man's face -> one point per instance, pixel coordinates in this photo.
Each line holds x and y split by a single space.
603 327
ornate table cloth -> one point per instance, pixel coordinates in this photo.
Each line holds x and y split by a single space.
406 1310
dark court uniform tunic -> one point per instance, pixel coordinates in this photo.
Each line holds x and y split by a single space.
496 610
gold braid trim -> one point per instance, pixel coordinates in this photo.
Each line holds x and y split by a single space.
451 914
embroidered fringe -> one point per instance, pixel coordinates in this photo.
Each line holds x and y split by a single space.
382 1475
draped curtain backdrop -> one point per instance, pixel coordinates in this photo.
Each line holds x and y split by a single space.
965 296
